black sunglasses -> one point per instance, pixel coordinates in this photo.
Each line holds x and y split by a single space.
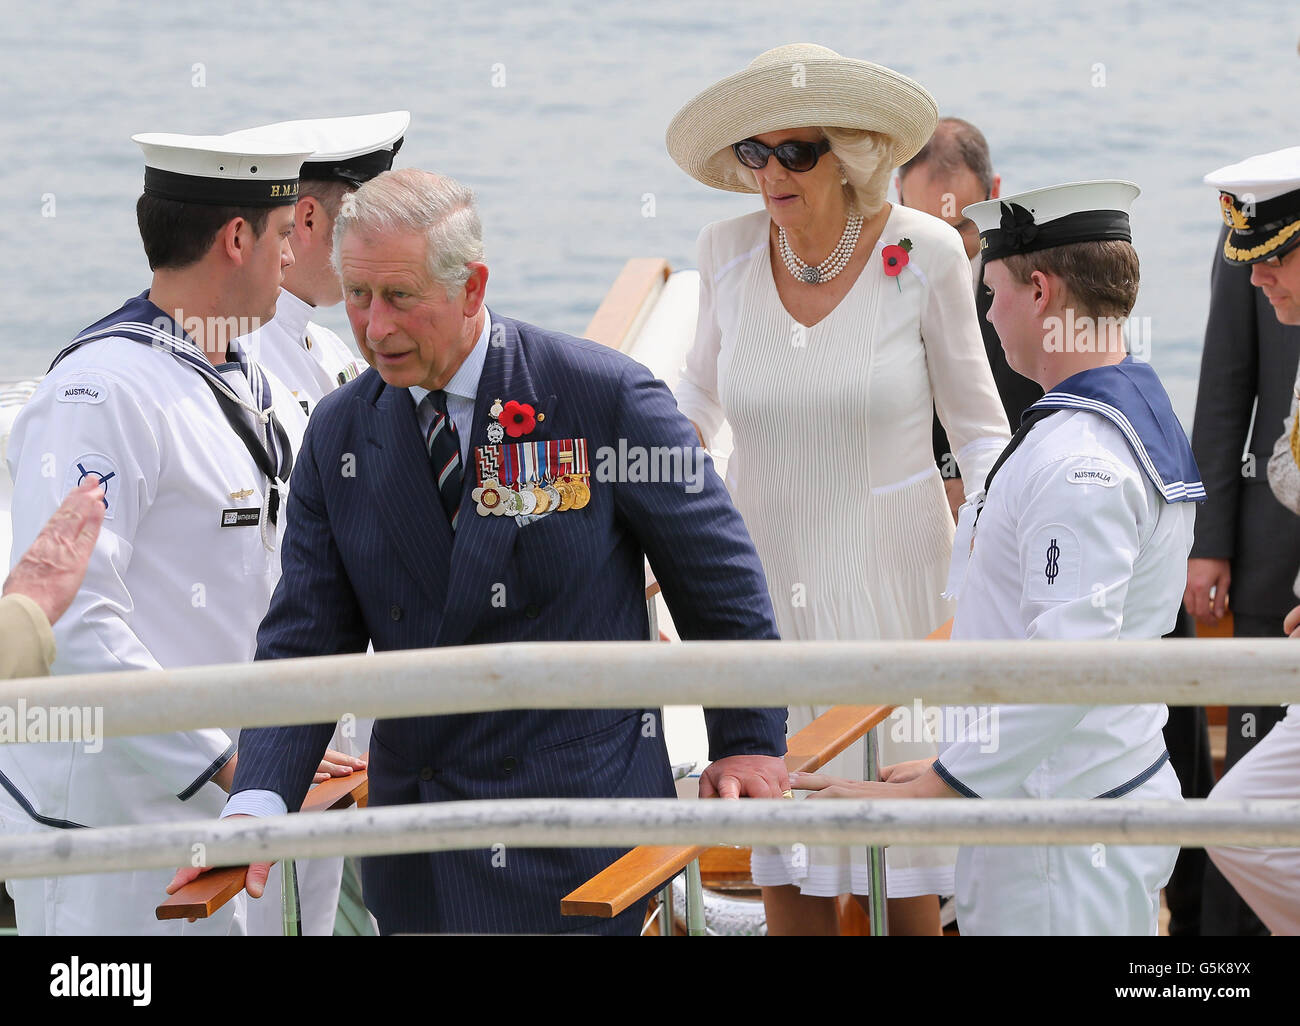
795 155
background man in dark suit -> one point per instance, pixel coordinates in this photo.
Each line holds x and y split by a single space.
411 550
1247 545
952 171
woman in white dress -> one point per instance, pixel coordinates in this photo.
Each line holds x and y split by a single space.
831 325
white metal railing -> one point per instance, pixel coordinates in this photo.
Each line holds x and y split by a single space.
619 823
482 678
649 675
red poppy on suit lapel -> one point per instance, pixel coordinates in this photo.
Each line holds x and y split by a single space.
518 419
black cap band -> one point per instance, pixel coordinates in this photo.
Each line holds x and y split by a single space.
353 170
1270 228
1019 233
220 192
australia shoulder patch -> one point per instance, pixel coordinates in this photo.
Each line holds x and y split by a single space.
86 388
1093 476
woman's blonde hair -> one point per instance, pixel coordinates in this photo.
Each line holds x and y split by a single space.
867 159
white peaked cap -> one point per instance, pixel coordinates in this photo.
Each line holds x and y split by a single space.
1259 200
208 169
351 149
1264 176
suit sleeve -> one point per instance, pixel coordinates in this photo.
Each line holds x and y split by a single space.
1077 544
114 437
700 552
965 396
1225 403
26 641
314 611
697 386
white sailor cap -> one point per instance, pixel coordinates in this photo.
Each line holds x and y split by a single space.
1055 216
1259 199
207 169
351 149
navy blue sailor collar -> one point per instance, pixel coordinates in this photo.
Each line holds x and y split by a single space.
1130 396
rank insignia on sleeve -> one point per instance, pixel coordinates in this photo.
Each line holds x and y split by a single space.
95 467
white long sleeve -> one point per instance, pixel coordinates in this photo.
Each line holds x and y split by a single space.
965 394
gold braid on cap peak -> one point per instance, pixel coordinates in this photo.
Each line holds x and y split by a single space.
1263 249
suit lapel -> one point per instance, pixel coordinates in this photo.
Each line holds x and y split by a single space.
404 491
482 544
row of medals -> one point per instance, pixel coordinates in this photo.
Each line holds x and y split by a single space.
535 498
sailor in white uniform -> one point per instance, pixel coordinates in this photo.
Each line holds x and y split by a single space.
1260 202
1081 532
346 153
313 361
191 442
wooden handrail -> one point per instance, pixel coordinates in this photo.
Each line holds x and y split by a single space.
625 302
646 869
203 895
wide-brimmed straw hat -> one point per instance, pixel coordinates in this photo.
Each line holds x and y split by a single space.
800 85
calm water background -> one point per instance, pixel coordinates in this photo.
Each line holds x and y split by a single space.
563 155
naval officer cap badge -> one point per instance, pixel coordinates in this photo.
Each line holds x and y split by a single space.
351 149
208 169
1058 215
1259 199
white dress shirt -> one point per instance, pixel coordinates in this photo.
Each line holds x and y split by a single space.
462 392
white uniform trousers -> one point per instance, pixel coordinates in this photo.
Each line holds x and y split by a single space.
1268 879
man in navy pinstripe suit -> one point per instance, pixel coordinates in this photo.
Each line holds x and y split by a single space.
377 552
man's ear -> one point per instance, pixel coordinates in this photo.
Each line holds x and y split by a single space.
996 191
234 239
1045 289
475 288
309 218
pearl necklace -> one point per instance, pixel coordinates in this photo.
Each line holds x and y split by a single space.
832 265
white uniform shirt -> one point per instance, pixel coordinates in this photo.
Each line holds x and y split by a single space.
167 585
309 358
1074 543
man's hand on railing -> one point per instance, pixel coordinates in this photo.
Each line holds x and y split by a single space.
924 785
335 764
745 776
254 879
902 772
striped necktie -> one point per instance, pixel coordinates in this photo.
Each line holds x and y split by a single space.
444 454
